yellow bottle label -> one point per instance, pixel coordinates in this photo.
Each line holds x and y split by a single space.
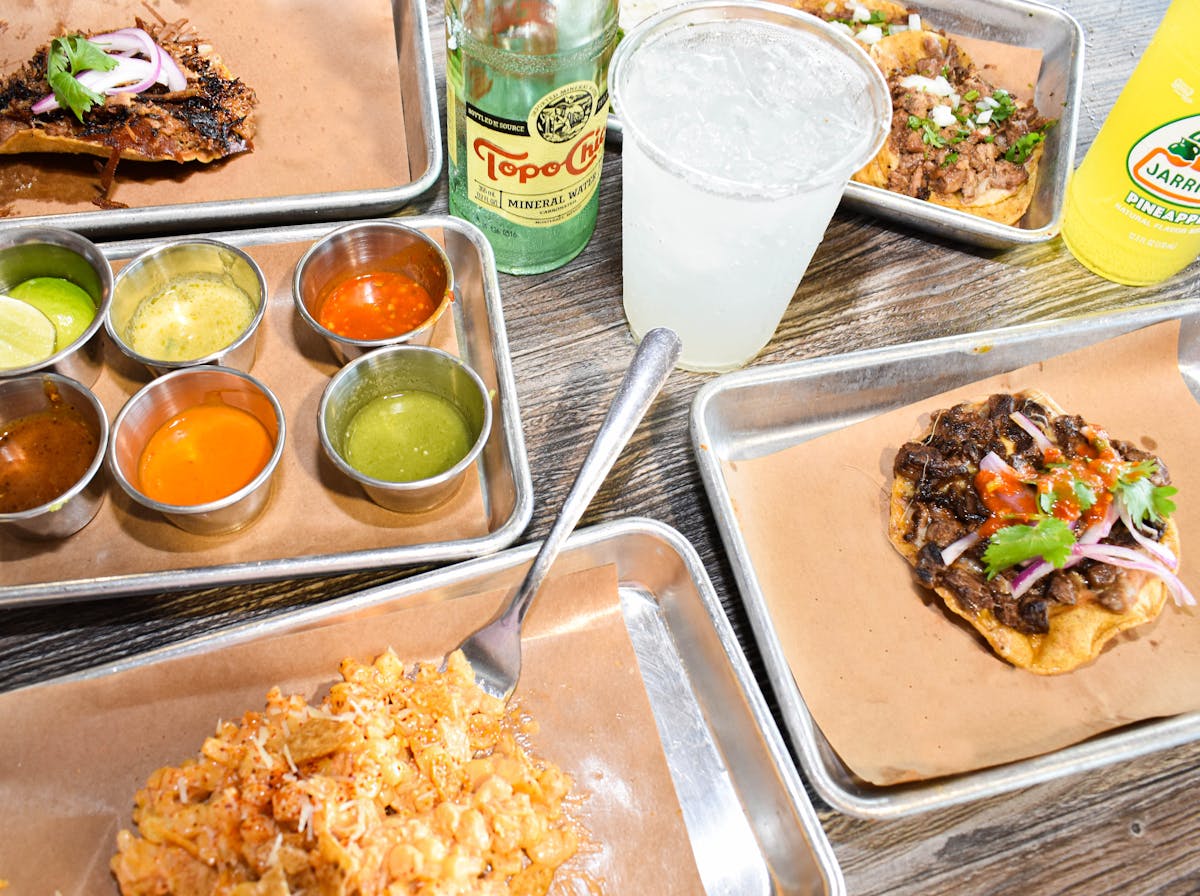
1165 163
541 171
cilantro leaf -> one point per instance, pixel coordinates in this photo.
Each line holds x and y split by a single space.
1006 105
1023 148
68 57
1051 540
1143 499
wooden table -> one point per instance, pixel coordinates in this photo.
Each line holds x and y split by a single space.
1125 829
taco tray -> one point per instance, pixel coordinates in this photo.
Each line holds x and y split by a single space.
756 413
316 522
347 116
742 810
1017 23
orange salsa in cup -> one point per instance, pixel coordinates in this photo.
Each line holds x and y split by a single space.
376 305
203 454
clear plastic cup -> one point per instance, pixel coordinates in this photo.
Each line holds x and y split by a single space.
742 123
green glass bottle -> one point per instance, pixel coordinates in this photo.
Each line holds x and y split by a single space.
527 102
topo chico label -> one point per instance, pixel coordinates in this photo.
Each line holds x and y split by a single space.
541 171
1165 167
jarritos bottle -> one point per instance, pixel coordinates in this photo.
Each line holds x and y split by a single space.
1132 210
527 103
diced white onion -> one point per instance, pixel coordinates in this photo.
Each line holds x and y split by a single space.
860 14
942 116
984 117
914 21
938 86
871 34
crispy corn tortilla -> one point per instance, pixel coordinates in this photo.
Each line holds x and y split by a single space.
898 54
1077 633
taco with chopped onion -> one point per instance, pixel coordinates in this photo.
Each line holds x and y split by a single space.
956 139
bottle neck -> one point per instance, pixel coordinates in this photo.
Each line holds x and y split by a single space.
532 36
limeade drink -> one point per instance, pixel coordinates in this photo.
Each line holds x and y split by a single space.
740 136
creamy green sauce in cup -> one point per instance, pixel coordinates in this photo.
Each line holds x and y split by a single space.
407 436
189 318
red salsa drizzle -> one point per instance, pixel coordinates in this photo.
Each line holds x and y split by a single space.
1073 489
376 305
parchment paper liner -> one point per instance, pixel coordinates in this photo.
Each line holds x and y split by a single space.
901 688
329 117
313 509
74 753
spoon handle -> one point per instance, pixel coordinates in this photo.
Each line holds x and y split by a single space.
652 364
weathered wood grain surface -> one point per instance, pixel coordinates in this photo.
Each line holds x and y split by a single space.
1128 829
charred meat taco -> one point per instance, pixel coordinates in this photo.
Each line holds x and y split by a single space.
1045 534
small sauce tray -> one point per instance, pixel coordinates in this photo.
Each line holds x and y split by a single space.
755 413
316 522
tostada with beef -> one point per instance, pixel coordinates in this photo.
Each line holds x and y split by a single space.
1036 527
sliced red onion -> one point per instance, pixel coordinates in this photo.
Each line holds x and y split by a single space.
137 40
1100 529
131 74
1115 555
956 549
1039 437
175 78
1034 572
992 463
1161 551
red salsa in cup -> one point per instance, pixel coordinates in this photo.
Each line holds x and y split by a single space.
376 305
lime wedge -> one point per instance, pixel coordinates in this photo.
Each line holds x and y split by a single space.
26 335
69 308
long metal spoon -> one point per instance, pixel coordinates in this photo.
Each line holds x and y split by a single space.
494 651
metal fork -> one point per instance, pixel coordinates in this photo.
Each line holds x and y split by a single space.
494 651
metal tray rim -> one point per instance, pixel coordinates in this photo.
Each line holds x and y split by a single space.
880 803
328 564
281 209
480 567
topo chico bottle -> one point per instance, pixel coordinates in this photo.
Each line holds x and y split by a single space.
526 106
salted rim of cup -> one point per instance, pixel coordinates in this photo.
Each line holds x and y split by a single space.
725 186
102 439
400 338
173 245
65 239
232 498
412 485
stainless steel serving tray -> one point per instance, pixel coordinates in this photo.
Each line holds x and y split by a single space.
759 411
1023 23
423 141
504 467
752 828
